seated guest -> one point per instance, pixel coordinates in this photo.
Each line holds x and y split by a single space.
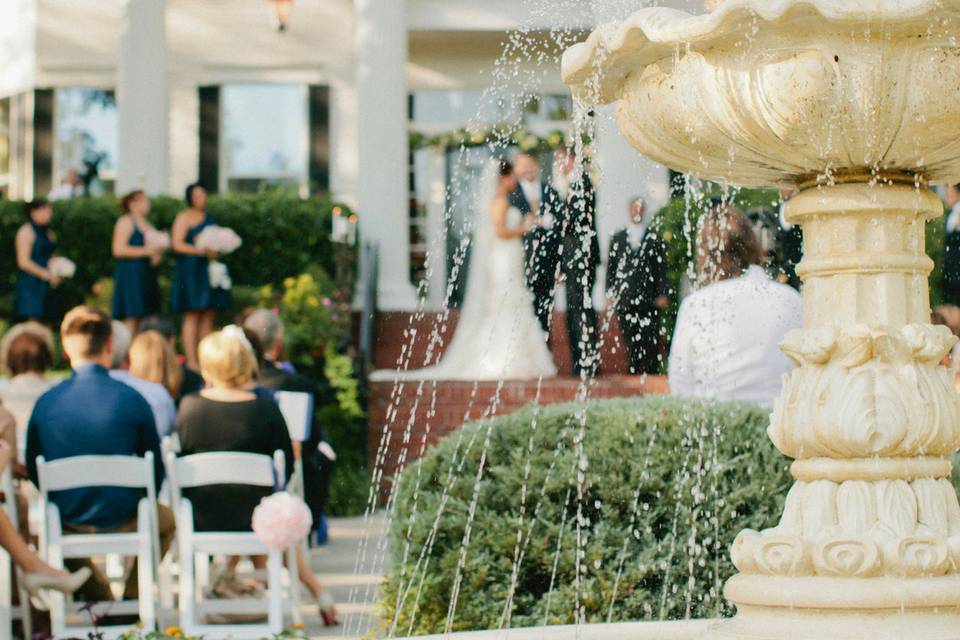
191 380
26 355
726 341
159 399
268 329
92 414
228 416
153 359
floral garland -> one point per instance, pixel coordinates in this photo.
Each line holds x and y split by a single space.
497 136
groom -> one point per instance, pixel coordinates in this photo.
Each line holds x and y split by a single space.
542 245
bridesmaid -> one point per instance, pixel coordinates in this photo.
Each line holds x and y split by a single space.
192 294
35 245
135 292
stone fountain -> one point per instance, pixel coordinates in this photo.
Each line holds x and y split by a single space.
857 104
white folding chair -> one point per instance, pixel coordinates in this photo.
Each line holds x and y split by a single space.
8 611
77 472
204 469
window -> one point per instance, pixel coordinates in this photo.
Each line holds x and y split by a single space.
85 135
265 135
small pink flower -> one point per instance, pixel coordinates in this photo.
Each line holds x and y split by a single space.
327 302
275 311
281 520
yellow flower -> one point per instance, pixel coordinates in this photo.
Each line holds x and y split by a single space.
298 625
288 283
313 301
176 632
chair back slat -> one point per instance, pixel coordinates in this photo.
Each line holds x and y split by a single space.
132 472
226 467
297 410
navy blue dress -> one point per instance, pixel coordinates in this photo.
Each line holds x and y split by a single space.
31 296
135 292
191 279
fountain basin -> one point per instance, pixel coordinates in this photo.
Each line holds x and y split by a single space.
680 630
781 92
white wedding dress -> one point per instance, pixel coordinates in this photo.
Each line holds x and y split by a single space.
498 336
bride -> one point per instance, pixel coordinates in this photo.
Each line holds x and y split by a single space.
498 336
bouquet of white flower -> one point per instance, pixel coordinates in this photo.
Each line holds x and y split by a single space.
158 240
222 240
61 267
219 276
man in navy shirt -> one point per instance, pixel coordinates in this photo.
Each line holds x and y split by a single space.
92 414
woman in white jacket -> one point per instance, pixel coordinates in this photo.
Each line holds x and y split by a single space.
726 340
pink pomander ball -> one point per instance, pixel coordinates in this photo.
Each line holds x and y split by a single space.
281 520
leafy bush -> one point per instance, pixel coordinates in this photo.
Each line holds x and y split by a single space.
667 485
283 236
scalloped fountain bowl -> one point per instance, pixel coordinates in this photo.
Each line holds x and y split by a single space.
779 92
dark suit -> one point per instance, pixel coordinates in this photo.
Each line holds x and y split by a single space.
316 466
580 259
542 249
636 277
951 265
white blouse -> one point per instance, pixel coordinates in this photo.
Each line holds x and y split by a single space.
725 344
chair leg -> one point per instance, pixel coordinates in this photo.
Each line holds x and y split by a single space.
25 611
188 595
56 599
293 570
145 568
275 591
6 595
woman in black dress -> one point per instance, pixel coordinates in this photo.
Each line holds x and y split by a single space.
229 416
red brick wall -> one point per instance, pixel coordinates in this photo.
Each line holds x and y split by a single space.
394 410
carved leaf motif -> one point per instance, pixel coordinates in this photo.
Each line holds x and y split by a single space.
856 507
931 506
847 557
741 552
896 507
870 411
819 507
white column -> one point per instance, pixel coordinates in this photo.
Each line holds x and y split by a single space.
383 194
142 99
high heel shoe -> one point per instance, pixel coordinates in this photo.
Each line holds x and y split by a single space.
35 582
328 609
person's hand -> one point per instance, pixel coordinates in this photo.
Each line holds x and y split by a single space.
156 257
213 255
530 223
7 454
662 302
55 280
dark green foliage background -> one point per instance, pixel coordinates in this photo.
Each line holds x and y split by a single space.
283 235
699 473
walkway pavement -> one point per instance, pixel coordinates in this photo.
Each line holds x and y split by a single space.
354 585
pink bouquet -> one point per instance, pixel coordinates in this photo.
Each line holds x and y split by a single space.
159 240
61 267
281 520
222 240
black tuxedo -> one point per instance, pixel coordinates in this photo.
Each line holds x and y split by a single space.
316 466
580 259
636 277
541 249
951 265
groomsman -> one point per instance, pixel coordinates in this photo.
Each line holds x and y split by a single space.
580 259
637 286
951 256
542 245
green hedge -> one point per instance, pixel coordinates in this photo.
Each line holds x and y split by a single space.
282 236
697 474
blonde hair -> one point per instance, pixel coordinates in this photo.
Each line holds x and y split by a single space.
152 358
226 359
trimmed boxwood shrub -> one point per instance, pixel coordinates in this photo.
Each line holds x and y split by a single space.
667 485
283 236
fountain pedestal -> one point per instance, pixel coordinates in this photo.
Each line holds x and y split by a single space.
855 103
